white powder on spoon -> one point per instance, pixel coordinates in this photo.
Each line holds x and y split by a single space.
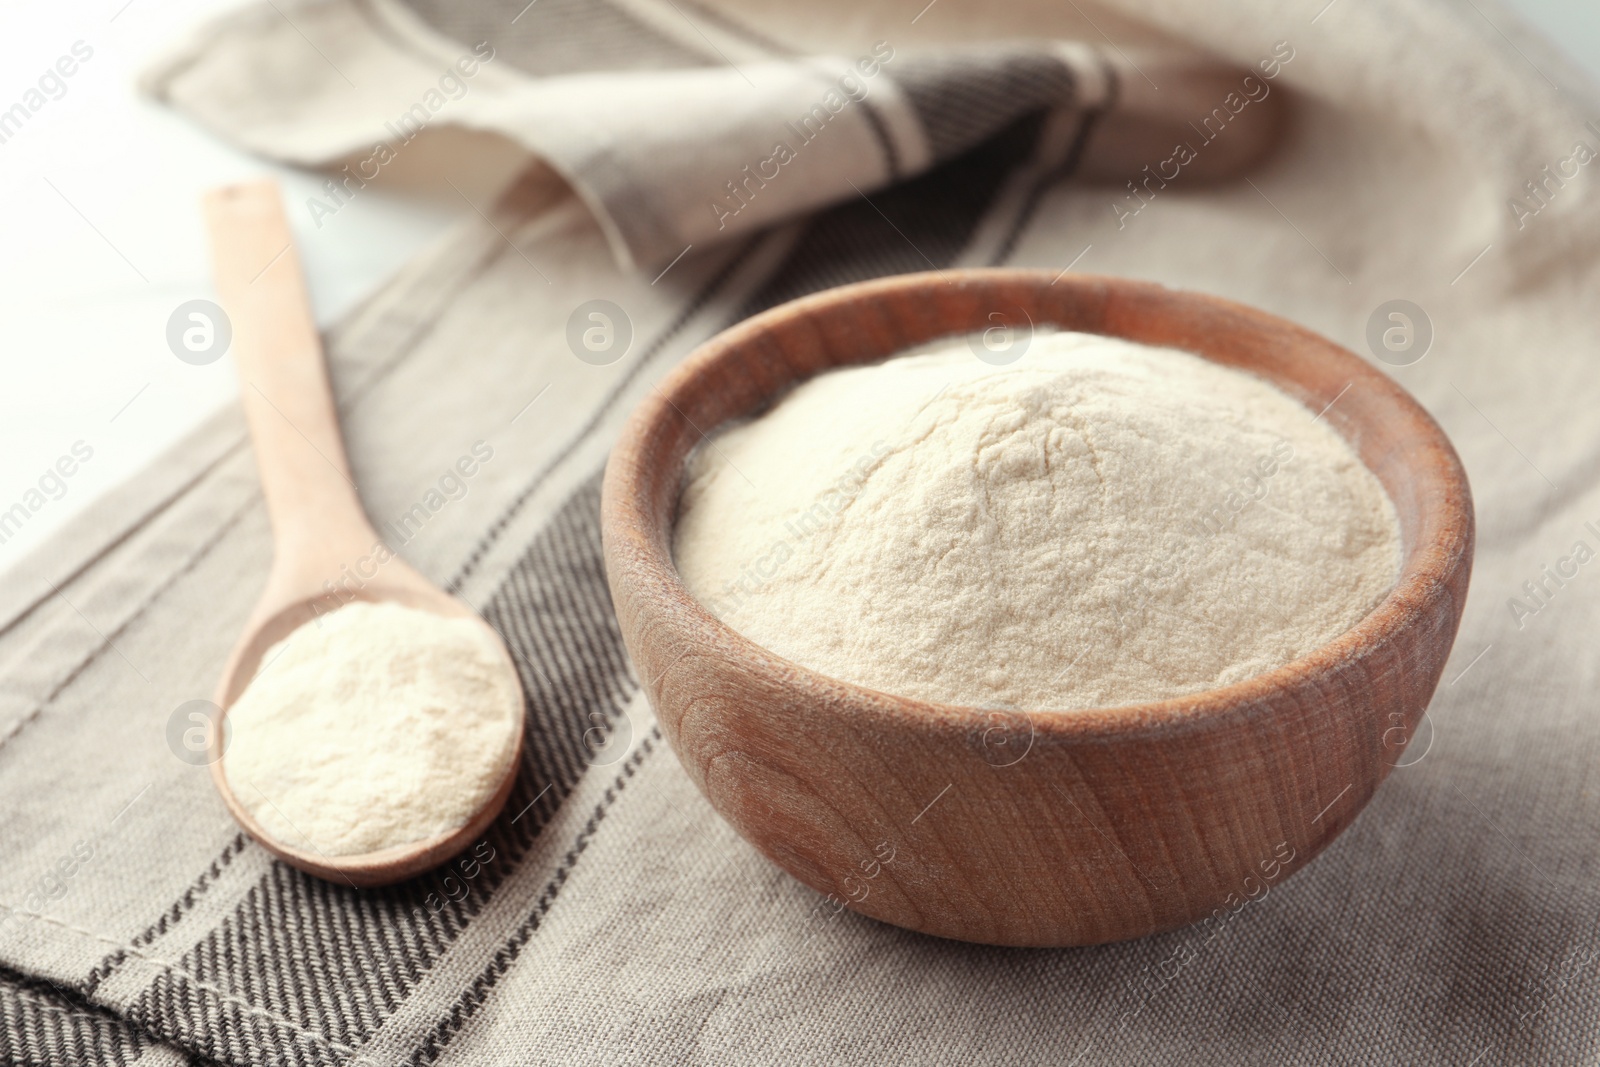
1099 523
373 726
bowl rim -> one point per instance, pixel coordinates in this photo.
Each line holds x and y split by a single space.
1445 530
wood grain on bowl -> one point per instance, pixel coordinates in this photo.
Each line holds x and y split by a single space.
1037 827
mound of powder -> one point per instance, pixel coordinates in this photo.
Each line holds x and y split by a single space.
373 726
1099 523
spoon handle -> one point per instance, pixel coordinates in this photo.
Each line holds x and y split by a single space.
316 514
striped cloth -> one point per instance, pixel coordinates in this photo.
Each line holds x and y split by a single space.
609 915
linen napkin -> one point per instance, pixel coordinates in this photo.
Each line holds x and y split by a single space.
1429 155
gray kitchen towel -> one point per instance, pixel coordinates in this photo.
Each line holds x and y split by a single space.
1435 168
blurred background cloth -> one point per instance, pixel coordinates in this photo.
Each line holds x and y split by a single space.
673 138
617 919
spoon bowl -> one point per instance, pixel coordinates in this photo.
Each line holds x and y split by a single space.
390 865
321 534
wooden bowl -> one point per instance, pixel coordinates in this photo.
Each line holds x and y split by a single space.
1034 828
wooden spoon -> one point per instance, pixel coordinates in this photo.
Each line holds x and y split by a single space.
326 551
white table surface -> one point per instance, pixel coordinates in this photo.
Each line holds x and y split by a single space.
102 241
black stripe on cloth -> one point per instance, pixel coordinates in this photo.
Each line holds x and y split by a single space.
880 129
559 36
1070 162
476 994
1069 165
308 969
169 917
963 98
553 610
229 1029
41 1026
922 224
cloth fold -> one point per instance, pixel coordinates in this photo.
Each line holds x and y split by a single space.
619 920
708 150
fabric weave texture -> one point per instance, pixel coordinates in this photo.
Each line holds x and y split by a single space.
610 916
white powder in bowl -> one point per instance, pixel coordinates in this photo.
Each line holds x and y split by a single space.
1099 523
373 726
